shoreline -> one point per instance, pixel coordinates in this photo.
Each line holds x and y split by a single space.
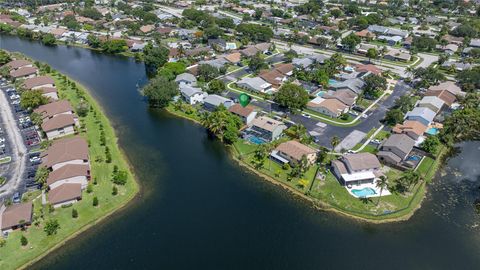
317 204
128 201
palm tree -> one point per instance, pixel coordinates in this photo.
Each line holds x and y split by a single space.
382 184
334 142
410 71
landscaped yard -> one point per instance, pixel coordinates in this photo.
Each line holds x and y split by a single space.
13 255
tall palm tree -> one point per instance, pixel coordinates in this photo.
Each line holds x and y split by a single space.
382 184
334 142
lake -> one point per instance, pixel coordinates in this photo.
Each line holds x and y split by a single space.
199 210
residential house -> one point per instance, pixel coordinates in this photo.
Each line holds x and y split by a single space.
292 152
447 97
65 194
191 95
433 103
268 128
15 216
397 55
396 148
330 107
70 173
211 102
186 78
38 82
58 119
355 85
422 114
368 68
285 68
414 129
234 58
356 169
145 29
50 92
24 73
263 47
302 63
246 114
347 97
66 151
365 34
249 51
255 84
16 64
273 77
449 86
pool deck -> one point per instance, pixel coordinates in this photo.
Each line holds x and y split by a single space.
373 186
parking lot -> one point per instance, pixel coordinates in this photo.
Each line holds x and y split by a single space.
19 145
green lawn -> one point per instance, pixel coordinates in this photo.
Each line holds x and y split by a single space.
13 255
336 121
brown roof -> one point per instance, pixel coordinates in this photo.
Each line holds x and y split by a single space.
64 193
410 126
13 214
58 31
362 161
333 105
347 97
284 68
23 71
295 149
450 86
46 90
364 34
369 68
272 76
59 121
147 28
38 81
164 30
249 51
240 110
18 64
68 171
65 150
340 166
444 95
233 57
54 108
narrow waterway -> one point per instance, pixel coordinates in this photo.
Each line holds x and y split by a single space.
199 210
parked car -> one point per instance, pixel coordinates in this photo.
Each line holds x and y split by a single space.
16 197
306 115
15 102
14 96
35 159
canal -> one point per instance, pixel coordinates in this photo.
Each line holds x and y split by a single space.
199 210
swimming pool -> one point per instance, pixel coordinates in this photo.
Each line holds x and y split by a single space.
364 192
432 131
415 158
321 93
332 81
256 140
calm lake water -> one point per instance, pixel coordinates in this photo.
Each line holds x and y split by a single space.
201 211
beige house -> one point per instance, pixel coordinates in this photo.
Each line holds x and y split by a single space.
71 174
65 194
292 152
38 82
64 152
331 107
15 216
357 169
58 119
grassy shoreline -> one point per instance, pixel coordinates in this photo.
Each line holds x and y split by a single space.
17 257
414 203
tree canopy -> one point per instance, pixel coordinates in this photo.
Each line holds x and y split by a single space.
292 96
160 91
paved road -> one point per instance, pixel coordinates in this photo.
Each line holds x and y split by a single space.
19 150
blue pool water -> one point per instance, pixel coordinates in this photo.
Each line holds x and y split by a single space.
256 140
364 192
416 158
332 81
320 93
432 131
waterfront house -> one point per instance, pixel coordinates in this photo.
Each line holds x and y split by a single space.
65 194
66 151
356 169
16 64
38 82
191 95
292 152
15 216
268 128
58 119
396 148
211 102
186 78
23 73
246 114
50 92
422 114
414 129
70 173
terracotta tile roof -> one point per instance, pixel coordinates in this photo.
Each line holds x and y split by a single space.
59 121
295 149
68 171
234 57
58 31
410 126
240 110
54 108
365 34
23 71
38 81
13 214
65 150
272 76
65 193
369 68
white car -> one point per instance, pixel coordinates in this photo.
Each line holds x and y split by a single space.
35 159
2 140
306 115
364 115
16 102
14 96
